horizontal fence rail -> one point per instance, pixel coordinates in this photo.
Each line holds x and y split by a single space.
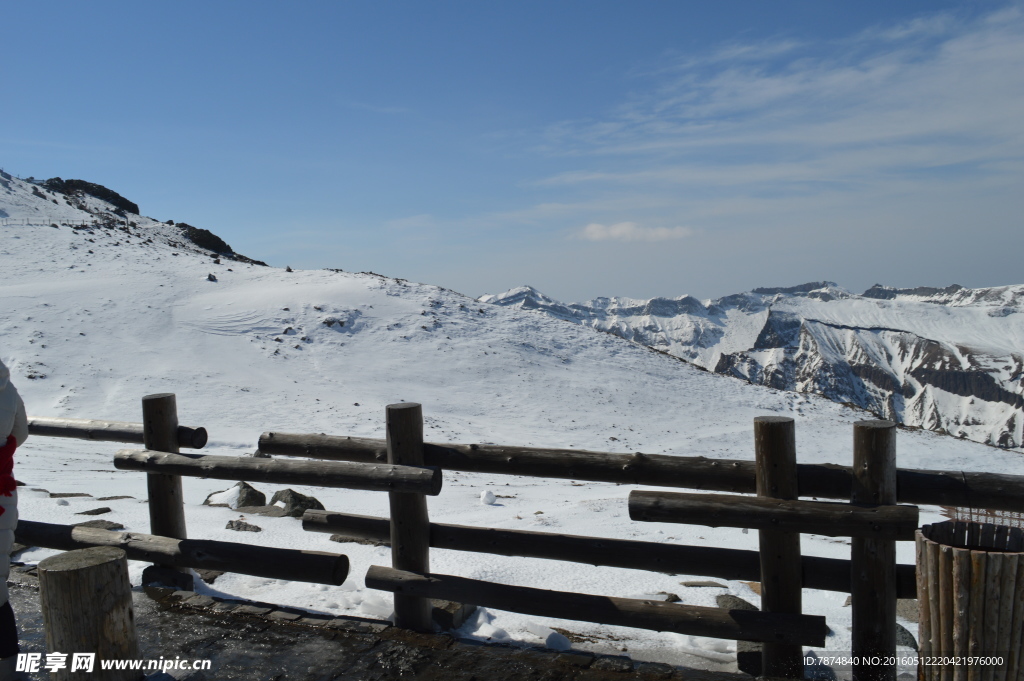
816 517
259 561
743 625
952 488
109 431
826 574
372 477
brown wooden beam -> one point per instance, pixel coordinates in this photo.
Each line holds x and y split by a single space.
109 431
941 488
807 517
374 477
247 559
743 625
827 574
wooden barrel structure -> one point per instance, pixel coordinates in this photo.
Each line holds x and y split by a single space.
970 586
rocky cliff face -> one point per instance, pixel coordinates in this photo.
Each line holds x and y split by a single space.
947 359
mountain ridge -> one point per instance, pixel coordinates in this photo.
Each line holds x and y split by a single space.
946 359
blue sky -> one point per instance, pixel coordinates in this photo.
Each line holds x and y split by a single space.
586 148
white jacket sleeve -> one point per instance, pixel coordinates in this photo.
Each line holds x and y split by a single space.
20 429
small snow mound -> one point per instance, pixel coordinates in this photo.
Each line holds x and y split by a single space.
552 639
487 497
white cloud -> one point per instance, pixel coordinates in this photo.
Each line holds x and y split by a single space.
630 231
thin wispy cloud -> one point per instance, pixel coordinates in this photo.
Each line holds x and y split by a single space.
944 92
631 231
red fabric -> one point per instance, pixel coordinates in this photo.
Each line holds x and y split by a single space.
7 484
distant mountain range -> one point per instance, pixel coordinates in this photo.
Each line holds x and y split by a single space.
946 359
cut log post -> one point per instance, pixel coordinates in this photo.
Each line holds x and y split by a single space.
247 559
109 431
410 525
743 625
827 574
828 481
781 588
873 599
365 476
763 513
86 600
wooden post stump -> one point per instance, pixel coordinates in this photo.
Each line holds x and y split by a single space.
87 608
873 561
410 525
781 585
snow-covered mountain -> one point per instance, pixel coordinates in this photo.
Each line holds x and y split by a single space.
946 359
108 306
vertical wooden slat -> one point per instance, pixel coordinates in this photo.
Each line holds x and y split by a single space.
410 524
924 601
988 536
974 535
1016 540
924 623
977 614
775 449
946 605
1007 580
936 609
993 576
160 433
1016 660
961 608
1002 533
873 561
960 533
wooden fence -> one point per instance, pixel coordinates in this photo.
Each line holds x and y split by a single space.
410 470
169 545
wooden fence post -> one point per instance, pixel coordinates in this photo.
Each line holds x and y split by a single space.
781 584
86 601
873 561
410 525
166 500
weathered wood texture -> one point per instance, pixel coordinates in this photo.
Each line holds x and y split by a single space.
109 431
410 524
827 574
874 560
86 600
812 517
975 598
961 578
949 488
924 624
374 477
166 498
781 586
247 559
744 625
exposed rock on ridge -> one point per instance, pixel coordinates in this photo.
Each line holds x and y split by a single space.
946 359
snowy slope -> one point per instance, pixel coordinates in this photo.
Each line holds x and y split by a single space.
93 319
950 360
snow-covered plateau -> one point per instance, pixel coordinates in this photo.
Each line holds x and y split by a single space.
99 314
949 360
